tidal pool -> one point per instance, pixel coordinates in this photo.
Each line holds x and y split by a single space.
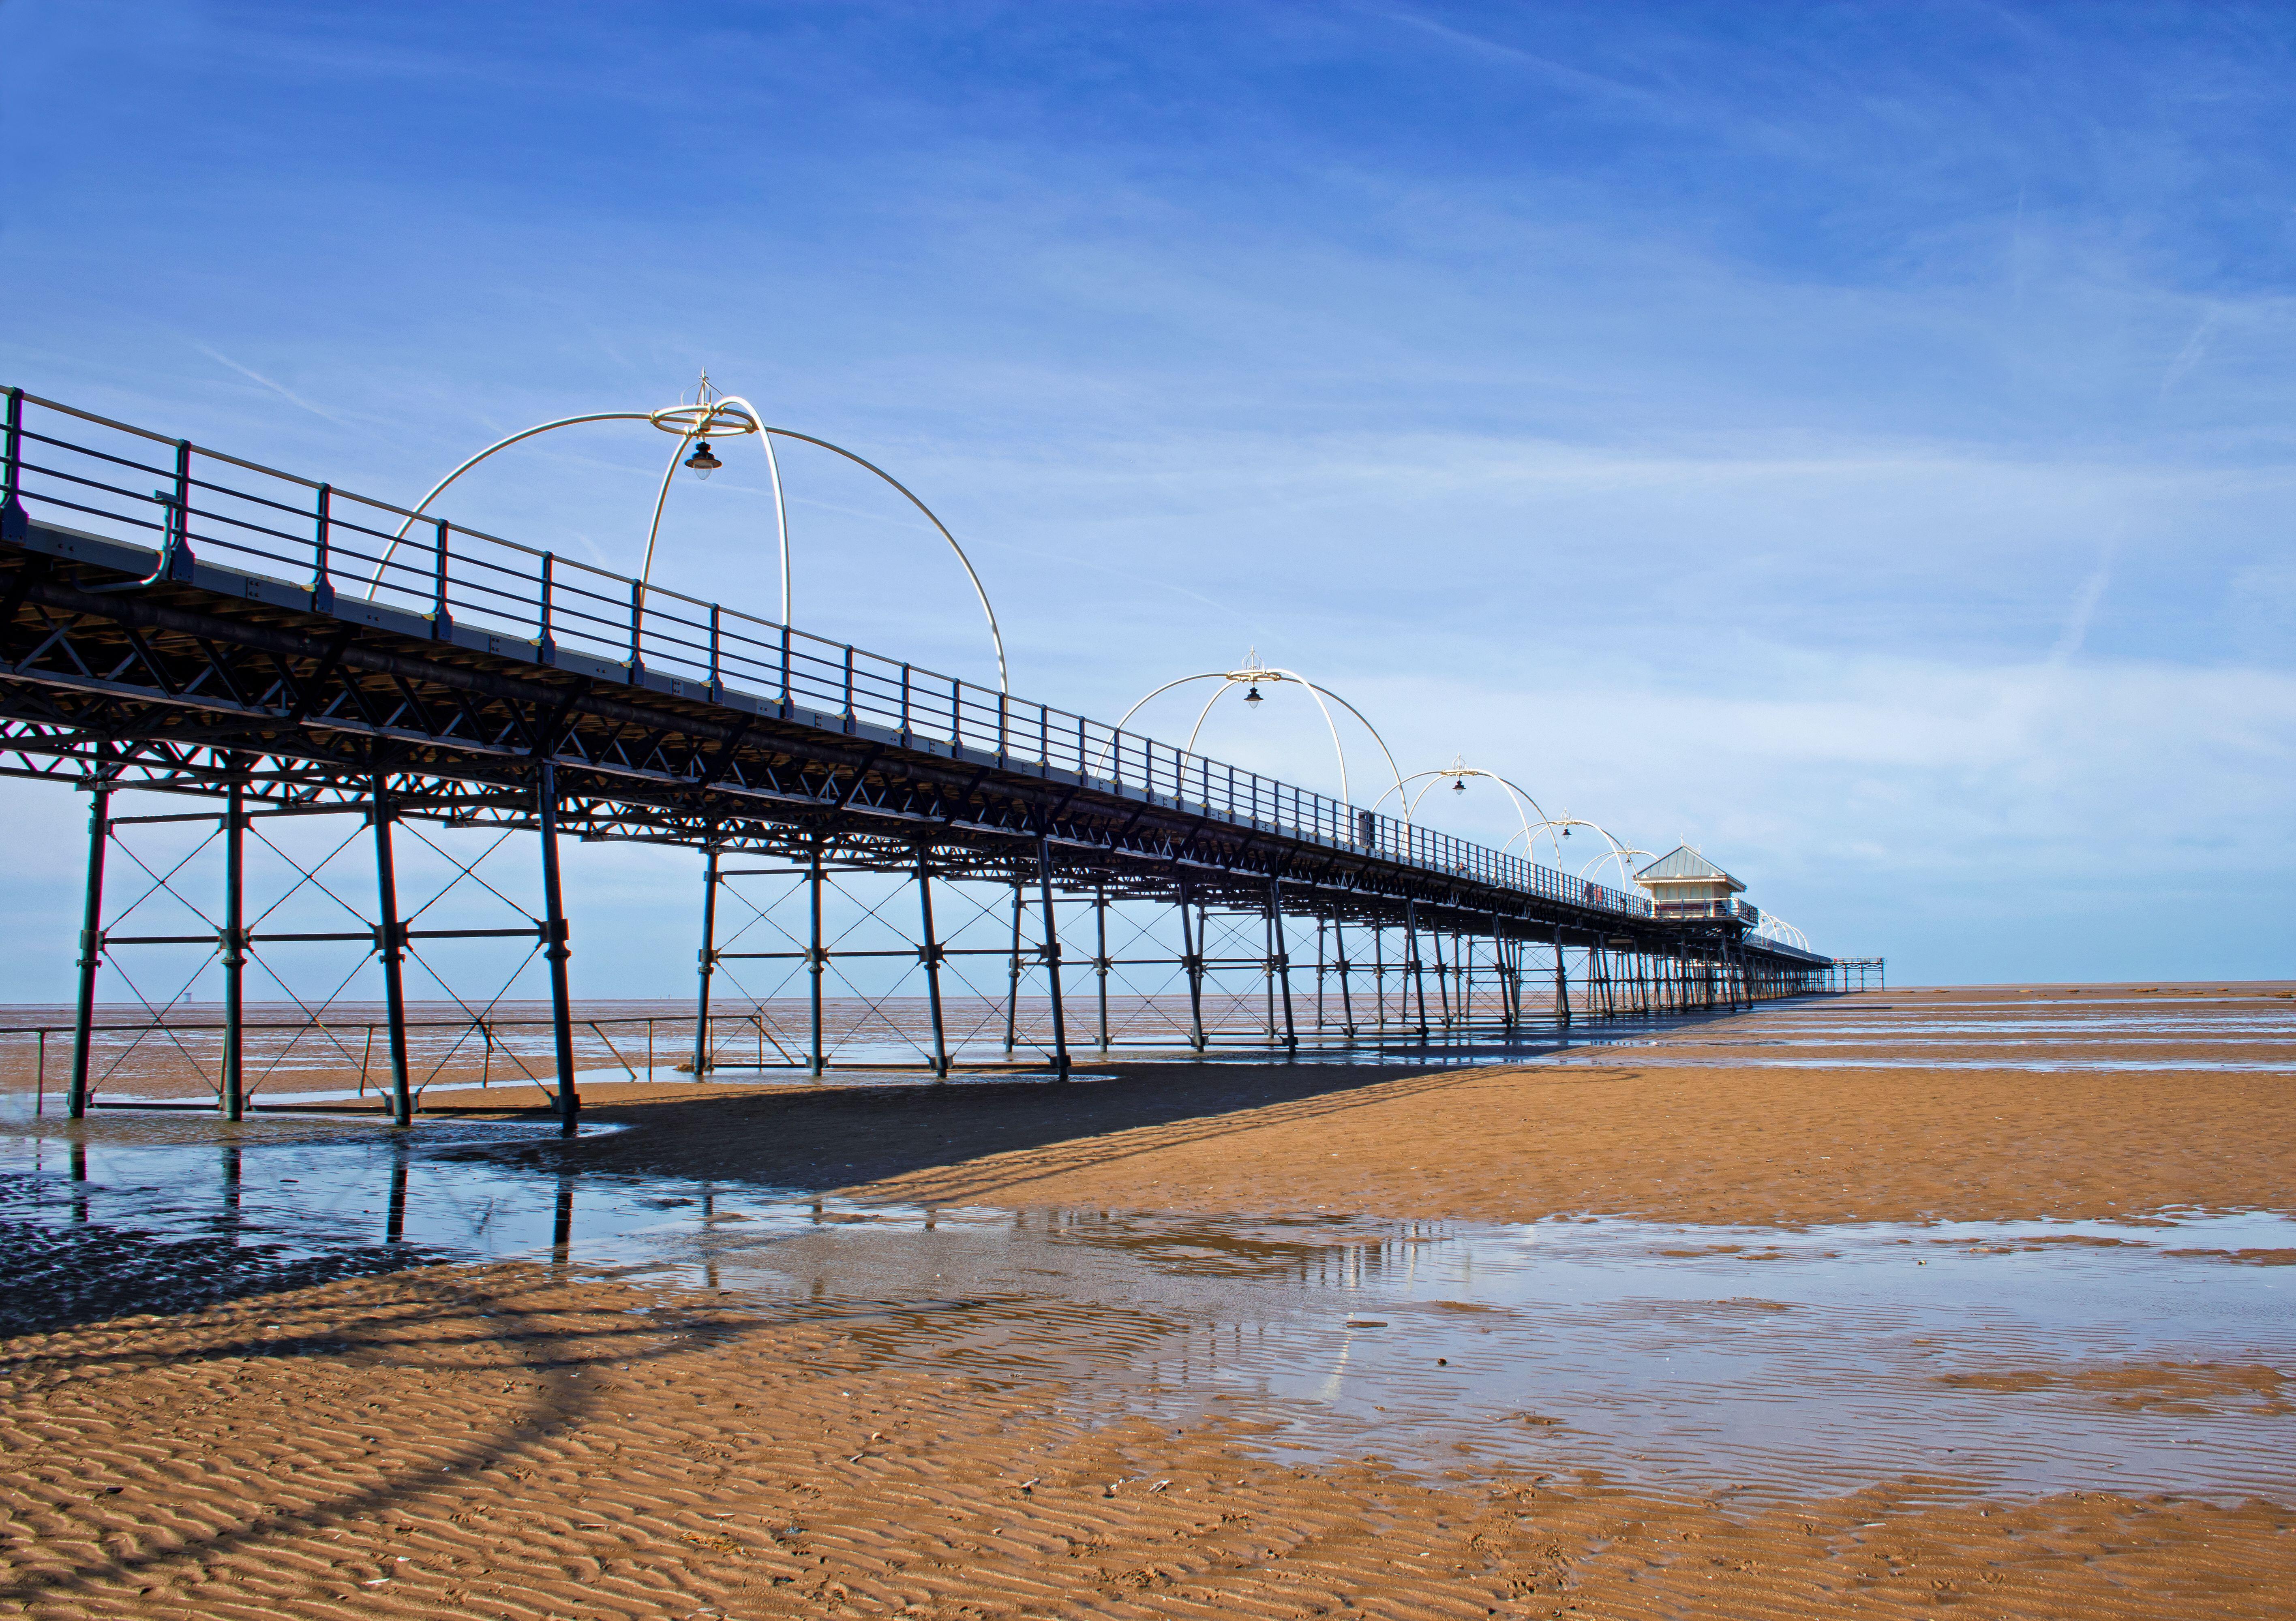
2153 1353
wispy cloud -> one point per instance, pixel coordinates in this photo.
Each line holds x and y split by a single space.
2083 610
1559 74
2196 350
280 388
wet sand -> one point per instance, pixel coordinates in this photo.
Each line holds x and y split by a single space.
516 1441
1680 1129
498 1443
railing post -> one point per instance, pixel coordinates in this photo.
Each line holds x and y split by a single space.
904 701
637 633
442 622
13 520
786 700
716 683
851 720
545 644
180 557
323 583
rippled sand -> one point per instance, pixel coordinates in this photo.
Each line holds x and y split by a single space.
528 1440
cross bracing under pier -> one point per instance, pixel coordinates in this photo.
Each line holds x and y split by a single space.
176 620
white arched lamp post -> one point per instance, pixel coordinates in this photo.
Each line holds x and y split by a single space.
720 416
1252 677
1565 822
1624 855
1456 775
1776 927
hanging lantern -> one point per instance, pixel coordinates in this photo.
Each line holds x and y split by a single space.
702 462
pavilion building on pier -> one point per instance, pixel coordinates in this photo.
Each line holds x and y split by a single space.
1683 883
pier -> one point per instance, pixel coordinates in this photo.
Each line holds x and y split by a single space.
182 622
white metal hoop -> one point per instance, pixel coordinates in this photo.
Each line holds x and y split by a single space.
727 415
1252 674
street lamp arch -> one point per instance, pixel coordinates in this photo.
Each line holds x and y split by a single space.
1457 773
713 415
1776 927
1623 854
1548 827
1249 677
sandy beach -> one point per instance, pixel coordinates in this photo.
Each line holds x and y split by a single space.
548 1438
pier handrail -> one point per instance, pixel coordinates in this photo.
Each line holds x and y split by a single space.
308 535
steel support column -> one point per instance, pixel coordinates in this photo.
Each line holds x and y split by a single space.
391 938
90 943
235 941
1283 944
554 930
1268 964
1322 966
1415 978
816 961
1101 964
707 966
1013 970
1378 976
930 952
1194 963
1053 957
394 1213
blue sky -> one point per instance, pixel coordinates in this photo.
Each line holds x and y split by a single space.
1855 439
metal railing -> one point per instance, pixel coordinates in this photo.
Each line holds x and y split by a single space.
340 547
1734 911
474 1050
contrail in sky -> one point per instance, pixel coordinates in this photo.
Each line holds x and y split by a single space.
281 389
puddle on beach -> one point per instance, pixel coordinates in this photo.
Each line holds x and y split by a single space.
2153 1354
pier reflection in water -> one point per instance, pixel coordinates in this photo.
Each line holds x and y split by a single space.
2149 1354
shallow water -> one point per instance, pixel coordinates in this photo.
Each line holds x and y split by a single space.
2144 1355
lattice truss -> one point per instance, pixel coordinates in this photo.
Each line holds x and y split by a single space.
1378 978
1142 967
312 1014
867 931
